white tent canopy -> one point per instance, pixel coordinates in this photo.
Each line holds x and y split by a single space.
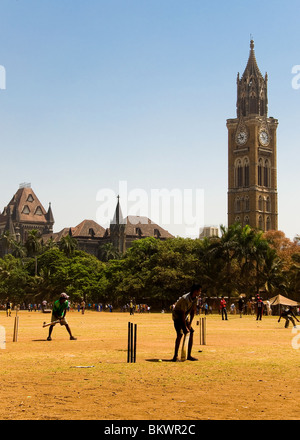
282 300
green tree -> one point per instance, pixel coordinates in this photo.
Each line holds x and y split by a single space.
33 243
7 241
221 259
272 274
108 252
68 245
13 279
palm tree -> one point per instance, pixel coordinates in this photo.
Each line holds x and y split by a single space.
7 240
272 273
245 255
293 276
68 245
224 249
108 252
259 253
19 251
50 244
33 245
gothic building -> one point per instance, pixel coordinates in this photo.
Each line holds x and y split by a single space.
23 214
124 231
252 151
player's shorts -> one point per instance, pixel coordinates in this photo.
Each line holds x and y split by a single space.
63 321
180 328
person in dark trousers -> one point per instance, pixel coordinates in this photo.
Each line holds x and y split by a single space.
223 309
259 307
288 315
241 306
183 314
58 314
131 307
8 308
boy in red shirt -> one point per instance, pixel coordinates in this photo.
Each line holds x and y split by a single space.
223 308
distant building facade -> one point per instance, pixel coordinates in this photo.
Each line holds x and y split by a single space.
25 213
124 231
209 231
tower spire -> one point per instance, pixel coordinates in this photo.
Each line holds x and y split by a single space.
252 89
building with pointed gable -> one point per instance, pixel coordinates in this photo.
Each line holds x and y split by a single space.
23 214
124 231
90 236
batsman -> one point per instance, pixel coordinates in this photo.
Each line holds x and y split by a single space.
183 314
59 315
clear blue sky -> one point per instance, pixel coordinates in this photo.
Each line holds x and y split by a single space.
103 91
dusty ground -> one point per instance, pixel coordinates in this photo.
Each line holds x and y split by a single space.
247 371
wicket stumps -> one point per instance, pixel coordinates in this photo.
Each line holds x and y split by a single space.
202 325
16 328
131 348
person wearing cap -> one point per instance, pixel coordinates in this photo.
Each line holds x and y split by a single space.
59 311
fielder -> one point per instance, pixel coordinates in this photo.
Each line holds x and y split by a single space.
58 315
289 315
183 314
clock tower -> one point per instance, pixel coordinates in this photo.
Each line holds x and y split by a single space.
252 163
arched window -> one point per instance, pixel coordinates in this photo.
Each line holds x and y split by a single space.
268 224
260 172
260 203
237 204
267 174
247 204
238 174
260 222
246 172
268 204
246 220
253 103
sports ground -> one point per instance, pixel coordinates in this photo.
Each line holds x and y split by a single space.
249 370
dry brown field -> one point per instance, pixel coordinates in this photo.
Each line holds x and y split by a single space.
248 370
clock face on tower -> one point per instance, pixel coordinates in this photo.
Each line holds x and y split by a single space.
264 138
242 138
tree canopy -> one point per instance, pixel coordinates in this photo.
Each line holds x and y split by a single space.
241 260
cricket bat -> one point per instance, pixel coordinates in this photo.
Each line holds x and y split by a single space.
50 323
183 348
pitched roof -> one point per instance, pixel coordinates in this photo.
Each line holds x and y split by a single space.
88 228
144 227
137 226
85 229
25 207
